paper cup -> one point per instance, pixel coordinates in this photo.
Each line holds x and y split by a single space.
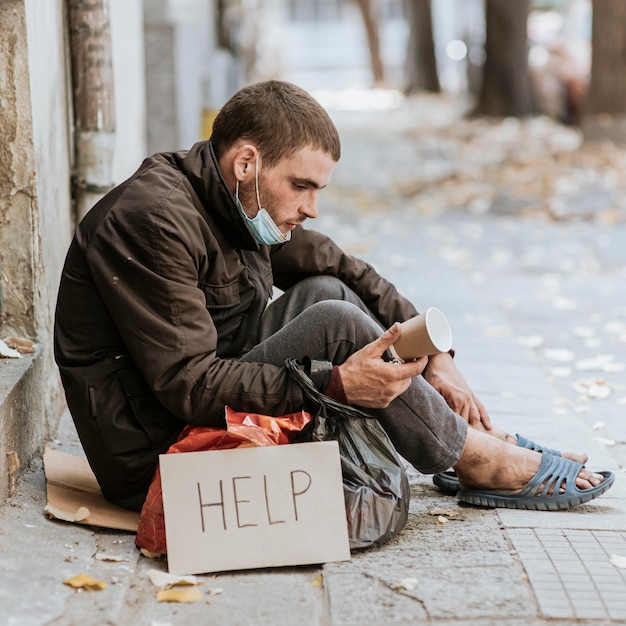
423 335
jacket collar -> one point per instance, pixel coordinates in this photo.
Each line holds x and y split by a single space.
201 168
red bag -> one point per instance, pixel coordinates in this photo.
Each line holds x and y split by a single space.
243 430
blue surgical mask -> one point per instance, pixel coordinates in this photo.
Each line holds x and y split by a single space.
261 226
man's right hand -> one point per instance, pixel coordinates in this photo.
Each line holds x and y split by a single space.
371 382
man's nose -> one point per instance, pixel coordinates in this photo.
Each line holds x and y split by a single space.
309 207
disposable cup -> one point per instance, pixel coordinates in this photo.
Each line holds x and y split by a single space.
423 335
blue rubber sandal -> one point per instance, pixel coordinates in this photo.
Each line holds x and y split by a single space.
449 483
522 442
552 472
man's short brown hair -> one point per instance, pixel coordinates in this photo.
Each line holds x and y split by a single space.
279 118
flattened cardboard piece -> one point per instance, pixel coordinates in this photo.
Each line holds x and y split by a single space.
72 486
254 507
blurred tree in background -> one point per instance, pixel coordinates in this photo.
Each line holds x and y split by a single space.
371 23
512 57
506 86
607 89
421 67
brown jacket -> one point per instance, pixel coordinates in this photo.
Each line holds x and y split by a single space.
162 287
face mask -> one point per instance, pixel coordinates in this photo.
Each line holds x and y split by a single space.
261 226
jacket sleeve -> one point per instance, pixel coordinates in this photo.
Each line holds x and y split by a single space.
146 266
311 253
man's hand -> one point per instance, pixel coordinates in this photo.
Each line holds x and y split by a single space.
370 382
444 376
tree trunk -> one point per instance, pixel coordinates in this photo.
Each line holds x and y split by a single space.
604 110
506 85
421 66
607 90
371 23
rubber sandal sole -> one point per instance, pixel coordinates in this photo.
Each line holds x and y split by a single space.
551 474
448 483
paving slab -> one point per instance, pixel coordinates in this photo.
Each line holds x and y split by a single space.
571 573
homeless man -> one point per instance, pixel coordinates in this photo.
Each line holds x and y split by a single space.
162 316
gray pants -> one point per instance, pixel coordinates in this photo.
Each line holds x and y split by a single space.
323 319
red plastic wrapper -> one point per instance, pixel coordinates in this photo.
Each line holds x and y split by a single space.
243 430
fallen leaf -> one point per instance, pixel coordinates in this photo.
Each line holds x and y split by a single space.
186 595
13 463
102 556
81 514
217 591
606 442
405 583
558 354
618 560
602 362
8 352
317 581
82 581
451 513
150 555
23 346
532 341
165 580
593 387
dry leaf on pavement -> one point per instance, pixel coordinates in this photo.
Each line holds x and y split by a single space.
82 581
445 515
186 595
407 584
165 580
81 514
103 556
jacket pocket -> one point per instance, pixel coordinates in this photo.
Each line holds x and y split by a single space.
114 408
151 417
220 296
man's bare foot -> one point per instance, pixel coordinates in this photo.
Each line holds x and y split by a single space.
490 463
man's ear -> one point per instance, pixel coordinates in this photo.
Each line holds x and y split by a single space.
244 161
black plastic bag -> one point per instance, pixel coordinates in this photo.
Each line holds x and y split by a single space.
375 484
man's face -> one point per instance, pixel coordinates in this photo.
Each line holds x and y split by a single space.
288 191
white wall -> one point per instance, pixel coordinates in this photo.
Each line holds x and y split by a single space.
51 145
130 92
193 43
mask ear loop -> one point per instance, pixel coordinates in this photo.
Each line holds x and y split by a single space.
256 183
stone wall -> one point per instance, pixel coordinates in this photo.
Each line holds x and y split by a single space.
34 221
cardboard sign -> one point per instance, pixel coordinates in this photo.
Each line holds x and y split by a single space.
254 507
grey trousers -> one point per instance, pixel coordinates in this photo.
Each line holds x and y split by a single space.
323 319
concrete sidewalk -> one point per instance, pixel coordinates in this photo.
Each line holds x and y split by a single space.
523 322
